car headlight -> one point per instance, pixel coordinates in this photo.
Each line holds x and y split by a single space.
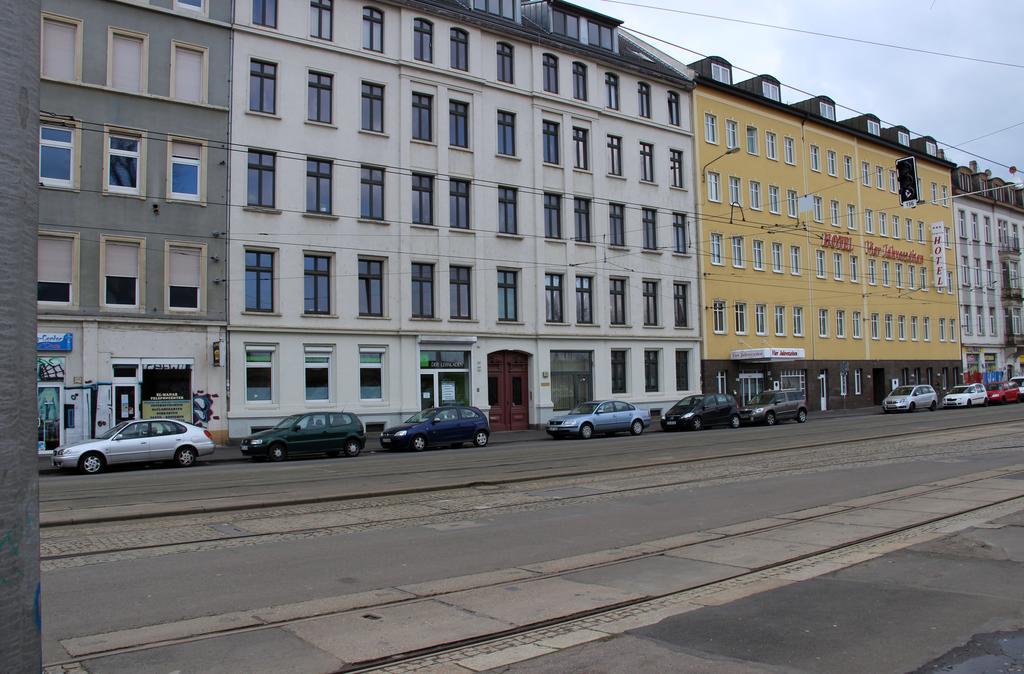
400 434
688 415
571 422
759 410
59 452
256 441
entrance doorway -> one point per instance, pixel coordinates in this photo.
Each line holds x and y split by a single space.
507 386
751 385
878 385
125 396
823 389
444 378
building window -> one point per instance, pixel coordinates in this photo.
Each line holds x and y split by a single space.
840 323
56 156
458 203
714 193
718 317
423 40
584 299
650 228
737 251
581 144
758 256
676 167
459 293
59 49
318 108
508 221
673 109
508 291
791 203
853 269
770 150
259 280
652 370
579 81
506 63
643 91
734 191
316 284
124 154
817 205
458 124
550 68
261 179
617 301
459 57
798 321
189 74
264 13
618 367
506 133
371 193
371 374
318 373
680 240
259 374
788 150
128 62
755 195
550 137
794 260
771 90
552 215
721 73
679 305
773 199
614 155
716 248
553 298
422 117
740 311
819 263
823 322
848 167
780 320
372 112
731 134
422 199
830 162
647 162
776 257
815 158
422 290
827 110
55 269
752 140
373 29
262 87
318 186
581 214
616 225
760 319
371 287
710 128
611 87
321 19
650 293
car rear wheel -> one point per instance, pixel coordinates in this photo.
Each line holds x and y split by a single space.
931 408
185 457
970 403
92 463
419 443
352 447
637 427
769 419
697 423
277 452
734 421
801 416
586 431
480 439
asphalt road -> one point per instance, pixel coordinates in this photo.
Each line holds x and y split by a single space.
229 484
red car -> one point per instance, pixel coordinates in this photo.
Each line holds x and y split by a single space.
1002 392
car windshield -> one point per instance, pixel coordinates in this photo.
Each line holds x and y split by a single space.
288 422
425 415
960 389
902 391
995 387
113 431
688 402
766 398
584 408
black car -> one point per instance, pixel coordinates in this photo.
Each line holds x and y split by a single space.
330 433
702 411
449 425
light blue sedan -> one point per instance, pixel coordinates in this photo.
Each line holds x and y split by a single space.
600 416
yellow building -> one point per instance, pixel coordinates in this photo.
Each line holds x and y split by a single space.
813 275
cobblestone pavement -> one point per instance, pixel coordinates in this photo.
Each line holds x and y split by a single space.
79 545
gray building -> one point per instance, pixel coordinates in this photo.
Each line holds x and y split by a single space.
133 213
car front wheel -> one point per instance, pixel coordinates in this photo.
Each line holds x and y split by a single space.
912 408
480 439
586 431
277 452
931 408
734 421
801 416
697 423
637 427
92 463
419 443
769 419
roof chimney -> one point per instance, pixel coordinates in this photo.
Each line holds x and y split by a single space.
974 166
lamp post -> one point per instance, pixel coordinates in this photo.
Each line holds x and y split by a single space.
704 169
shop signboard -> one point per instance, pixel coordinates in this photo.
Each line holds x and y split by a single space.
168 406
54 341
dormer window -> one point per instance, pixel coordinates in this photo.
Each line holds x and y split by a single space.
903 137
565 24
931 148
874 128
828 111
771 90
599 36
503 8
720 73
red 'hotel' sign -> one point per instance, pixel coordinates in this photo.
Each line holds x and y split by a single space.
842 242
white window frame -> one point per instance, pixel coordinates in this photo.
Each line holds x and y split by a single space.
798 321
837 266
856 325
777 265
261 348
773 199
318 351
200 290
716 249
752 138
140 277
182 4
113 32
72 146
830 162
199 163
719 324
771 146
760 319
827 110
794 260
140 155
732 137
854 270
382 366
789 150
738 245
710 128
780 320
815 158
874 128
755 195
204 74
847 167
70 21
714 187
75 240
840 324
758 255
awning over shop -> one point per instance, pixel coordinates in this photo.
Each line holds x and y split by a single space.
768 354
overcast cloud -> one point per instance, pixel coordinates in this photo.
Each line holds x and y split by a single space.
952 100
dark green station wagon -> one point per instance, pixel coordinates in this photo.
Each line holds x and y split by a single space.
330 433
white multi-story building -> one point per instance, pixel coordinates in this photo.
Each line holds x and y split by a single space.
989 215
456 202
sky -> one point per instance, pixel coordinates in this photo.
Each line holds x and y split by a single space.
953 100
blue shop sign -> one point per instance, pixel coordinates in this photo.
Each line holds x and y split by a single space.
54 341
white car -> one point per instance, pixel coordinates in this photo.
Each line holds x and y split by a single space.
137 441
967 395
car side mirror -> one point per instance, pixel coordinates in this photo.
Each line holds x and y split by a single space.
435 420
296 427
116 438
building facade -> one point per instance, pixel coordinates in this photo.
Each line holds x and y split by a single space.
814 276
989 215
453 202
133 216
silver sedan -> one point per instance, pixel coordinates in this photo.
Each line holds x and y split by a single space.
136 442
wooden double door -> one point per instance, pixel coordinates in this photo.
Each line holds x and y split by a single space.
508 376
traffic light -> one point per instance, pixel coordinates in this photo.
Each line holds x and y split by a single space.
906 176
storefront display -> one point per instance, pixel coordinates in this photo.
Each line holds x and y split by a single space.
444 378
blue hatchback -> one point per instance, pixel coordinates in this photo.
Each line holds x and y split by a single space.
449 425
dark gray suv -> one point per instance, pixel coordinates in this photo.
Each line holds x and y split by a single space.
772 407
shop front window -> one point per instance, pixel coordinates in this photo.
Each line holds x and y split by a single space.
259 365
49 395
166 391
444 378
318 374
571 378
371 374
